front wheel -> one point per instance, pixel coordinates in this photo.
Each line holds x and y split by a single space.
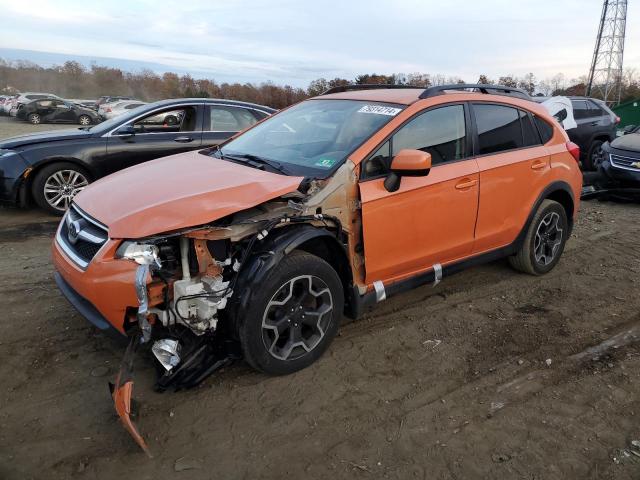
84 120
544 241
34 118
293 317
55 185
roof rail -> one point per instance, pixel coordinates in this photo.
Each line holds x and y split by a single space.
482 88
364 86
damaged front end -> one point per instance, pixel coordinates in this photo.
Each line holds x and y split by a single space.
186 284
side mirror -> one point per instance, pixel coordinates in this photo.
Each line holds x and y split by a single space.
125 131
407 163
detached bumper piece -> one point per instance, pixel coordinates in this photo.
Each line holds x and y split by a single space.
201 357
121 393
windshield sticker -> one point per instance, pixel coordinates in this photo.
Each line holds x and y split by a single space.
380 110
325 163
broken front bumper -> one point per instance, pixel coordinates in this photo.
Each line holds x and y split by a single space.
101 293
86 309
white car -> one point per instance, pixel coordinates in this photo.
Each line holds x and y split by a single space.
27 97
8 103
112 110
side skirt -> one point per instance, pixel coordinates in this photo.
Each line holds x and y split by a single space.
432 276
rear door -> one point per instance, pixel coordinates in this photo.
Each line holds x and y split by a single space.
157 134
514 167
589 119
62 112
429 219
223 121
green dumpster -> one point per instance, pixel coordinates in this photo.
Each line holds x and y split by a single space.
629 113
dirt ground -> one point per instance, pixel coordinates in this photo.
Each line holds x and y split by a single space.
492 374
10 127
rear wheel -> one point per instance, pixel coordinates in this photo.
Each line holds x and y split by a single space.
34 118
55 186
84 120
294 316
544 241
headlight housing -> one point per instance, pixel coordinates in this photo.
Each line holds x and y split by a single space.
141 253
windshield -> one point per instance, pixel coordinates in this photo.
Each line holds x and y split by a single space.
314 137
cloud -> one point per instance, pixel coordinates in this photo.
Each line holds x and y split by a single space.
294 42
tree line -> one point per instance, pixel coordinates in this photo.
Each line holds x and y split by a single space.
74 80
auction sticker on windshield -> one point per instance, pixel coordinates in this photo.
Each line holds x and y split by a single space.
380 110
325 163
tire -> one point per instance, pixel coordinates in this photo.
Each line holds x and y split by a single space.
34 119
171 120
84 120
278 342
71 179
539 253
591 161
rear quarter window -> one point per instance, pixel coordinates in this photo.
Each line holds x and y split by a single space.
545 130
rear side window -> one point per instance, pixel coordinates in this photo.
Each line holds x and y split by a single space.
545 130
595 109
585 109
230 119
498 128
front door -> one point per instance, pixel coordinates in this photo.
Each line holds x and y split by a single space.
159 134
429 219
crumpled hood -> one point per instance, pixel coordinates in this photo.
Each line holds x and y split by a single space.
180 191
52 136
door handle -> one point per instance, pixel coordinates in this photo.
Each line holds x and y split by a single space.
594 124
538 165
466 183
183 139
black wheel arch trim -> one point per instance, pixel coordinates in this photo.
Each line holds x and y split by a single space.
558 186
270 252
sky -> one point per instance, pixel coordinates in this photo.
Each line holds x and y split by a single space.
296 41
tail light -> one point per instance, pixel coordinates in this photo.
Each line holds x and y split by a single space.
107 110
616 120
574 150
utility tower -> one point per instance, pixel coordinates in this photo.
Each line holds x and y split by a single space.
605 75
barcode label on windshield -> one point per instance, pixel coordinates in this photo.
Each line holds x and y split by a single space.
380 110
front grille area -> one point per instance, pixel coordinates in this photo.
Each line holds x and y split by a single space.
625 162
80 236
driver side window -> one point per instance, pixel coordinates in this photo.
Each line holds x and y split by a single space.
168 121
440 132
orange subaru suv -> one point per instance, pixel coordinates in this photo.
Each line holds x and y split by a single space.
256 248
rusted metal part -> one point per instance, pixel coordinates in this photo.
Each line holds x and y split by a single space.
206 263
340 197
122 390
